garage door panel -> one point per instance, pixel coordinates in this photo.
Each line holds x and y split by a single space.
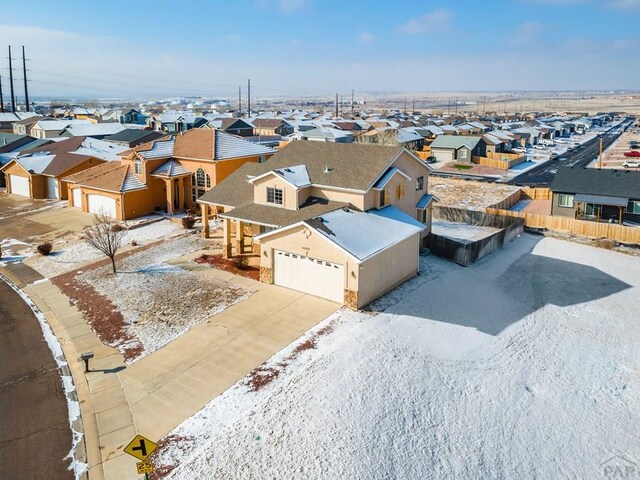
77 197
52 188
19 185
310 275
101 204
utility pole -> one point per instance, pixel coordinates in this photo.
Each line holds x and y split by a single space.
337 105
249 98
405 105
456 107
24 74
600 156
1 97
13 97
352 102
239 102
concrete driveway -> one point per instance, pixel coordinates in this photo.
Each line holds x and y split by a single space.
36 221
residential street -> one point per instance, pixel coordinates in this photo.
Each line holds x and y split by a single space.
35 436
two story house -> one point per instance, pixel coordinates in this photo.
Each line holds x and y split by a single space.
343 222
168 174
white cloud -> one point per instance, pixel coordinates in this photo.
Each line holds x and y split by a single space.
527 33
437 21
366 37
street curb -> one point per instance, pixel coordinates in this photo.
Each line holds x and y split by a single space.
78 425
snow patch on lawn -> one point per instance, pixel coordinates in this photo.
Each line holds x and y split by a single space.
488 371
159 301
463 232
13 251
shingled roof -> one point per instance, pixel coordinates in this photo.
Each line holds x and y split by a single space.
619 183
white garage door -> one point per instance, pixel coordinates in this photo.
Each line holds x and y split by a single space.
52 188
19 185
77 197
102 204
309 275
443 155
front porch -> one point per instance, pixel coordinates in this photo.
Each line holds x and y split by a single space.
237 236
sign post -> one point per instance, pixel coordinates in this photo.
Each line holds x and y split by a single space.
141 448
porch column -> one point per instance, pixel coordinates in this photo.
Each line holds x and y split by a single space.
240 236
169 186
182 202
205 220
620 215
226 238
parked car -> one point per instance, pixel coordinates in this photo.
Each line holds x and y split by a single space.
431 159
554 156
631 164
632 154
518 150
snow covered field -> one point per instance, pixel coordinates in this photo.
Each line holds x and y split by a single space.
524 365
462 232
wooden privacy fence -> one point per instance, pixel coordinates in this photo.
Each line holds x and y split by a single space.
525 193
581 228
499 160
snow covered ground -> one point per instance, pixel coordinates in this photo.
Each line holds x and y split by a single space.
524 365
462 232
69 254
13 251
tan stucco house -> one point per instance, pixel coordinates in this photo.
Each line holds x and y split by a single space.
168 174
39 172
342 222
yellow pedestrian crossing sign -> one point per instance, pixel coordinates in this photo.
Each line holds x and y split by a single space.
140 447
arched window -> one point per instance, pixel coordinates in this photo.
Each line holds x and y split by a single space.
200 180
137 166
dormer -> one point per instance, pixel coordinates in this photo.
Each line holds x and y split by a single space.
391 187
281 187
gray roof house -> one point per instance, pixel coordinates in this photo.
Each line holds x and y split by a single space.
456 148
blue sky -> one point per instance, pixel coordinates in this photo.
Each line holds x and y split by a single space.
318 47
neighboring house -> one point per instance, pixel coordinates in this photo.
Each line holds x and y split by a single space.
39 172
7 119
132 137
271 127
93 130
23 127
456 148
133 117
234 126
53 128
167 174
10 142
175 122
343 222
597 195
322 134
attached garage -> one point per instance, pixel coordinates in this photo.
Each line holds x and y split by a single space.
442 155
52 188
101 204
19 185
77 197
310 275
346 256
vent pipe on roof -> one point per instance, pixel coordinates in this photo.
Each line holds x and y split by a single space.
327 169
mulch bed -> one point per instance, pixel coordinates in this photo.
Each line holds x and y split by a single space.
100 312
228 265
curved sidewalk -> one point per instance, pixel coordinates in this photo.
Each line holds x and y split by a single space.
158 392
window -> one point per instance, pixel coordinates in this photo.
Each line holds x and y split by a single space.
419 183
274 195
422 215
201 179
137 167
400 191
262 159
463 153
634 207
565 200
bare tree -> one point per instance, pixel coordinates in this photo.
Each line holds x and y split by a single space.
106 235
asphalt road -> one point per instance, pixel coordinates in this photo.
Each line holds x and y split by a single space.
34 428
542 175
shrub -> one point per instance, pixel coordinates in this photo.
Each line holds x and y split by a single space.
605 243
241 262
45 248
117 227
188 222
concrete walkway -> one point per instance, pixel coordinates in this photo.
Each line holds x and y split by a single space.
158 392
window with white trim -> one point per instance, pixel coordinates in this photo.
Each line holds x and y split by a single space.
565 200
419 183
274 195
137 166
634 207
463 153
